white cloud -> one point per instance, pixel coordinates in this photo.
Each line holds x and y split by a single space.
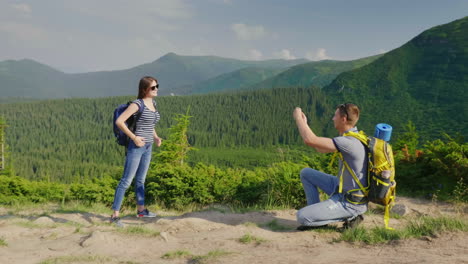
245 32
285 54
255 54
320 54
382 51
24 8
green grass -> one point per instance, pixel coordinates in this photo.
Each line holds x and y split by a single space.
242 208
176 254
75 259
138 231
3 243
71 207
373 236
275 226
324 229
416 228
251 224
429 226
248 238
29 208
215 254
82 207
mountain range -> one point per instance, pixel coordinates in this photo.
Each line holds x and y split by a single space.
30 79
177 75
316 73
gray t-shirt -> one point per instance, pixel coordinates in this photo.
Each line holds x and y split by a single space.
354 153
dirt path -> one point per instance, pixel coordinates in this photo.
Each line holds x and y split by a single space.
213 237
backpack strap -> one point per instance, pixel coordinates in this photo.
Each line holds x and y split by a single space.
351 171
361 136
141 108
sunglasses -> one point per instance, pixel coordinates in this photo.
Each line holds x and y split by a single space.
154 87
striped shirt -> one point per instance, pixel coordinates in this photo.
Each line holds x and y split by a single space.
148 119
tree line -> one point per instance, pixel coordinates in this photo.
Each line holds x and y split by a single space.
437 171
71 140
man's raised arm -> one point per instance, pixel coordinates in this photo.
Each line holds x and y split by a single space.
321 144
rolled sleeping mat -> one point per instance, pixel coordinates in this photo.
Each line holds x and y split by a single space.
383 131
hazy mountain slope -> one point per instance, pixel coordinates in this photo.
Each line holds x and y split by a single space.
425 80
236 80
318 73
31 79
28 78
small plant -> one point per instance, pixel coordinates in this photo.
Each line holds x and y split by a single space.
250 224
76 259
248 238
211 255
274 226
435 197
139 230
3 243
460 193
358 234
176 254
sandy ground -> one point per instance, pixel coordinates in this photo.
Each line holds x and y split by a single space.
212 236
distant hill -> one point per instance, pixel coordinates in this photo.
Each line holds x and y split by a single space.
425 80
27 78
236 80
317 73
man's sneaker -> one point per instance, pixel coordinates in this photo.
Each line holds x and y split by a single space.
116 221
353 222
145 213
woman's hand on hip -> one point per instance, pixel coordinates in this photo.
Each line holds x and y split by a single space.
139 141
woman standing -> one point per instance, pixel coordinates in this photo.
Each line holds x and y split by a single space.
139 148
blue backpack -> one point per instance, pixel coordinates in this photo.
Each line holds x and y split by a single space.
121 138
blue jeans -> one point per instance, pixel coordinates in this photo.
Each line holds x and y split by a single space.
136 166
335 209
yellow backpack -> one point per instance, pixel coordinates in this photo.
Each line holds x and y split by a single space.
381 172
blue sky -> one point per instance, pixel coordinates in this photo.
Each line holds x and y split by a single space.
94 35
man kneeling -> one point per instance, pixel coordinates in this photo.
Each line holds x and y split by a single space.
346 203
